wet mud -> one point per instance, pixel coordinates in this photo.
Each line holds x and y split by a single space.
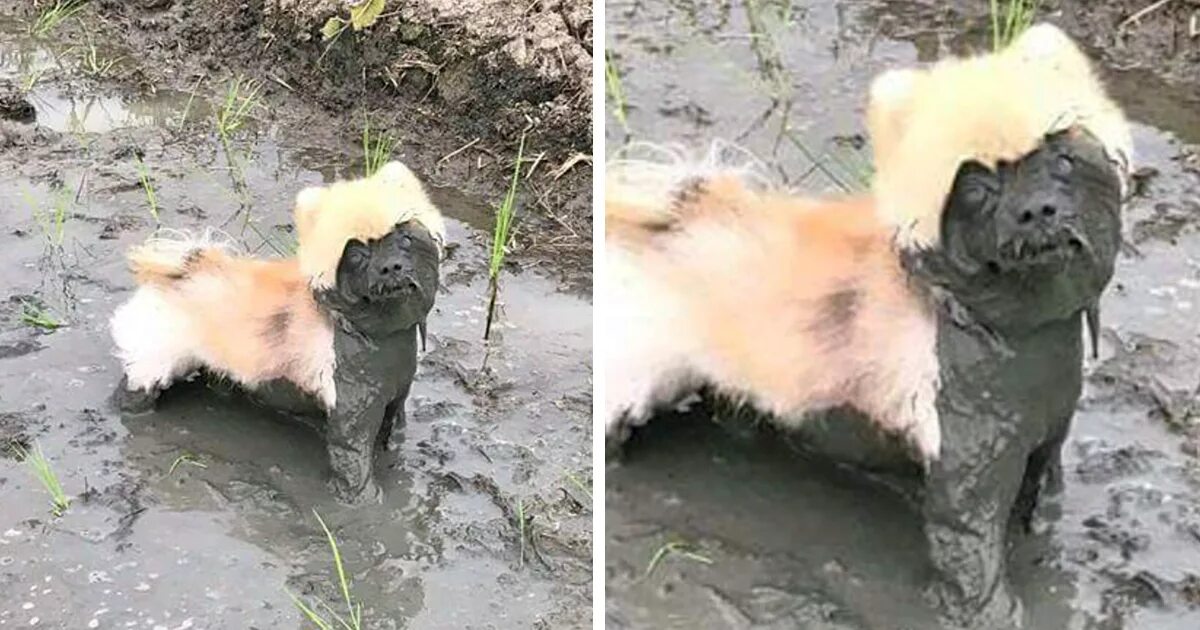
714 522
201 513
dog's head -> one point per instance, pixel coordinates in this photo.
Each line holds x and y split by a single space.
1003 175
370 248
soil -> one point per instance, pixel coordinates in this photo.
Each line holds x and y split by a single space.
778 539
201 514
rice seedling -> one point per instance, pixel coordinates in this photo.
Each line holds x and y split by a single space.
36 459
94 64
675 548
188 459
39 317
353 619
612 83
241 99
30 79
1017 17
151 198
521 529
377 149
500 238
55 14
52 221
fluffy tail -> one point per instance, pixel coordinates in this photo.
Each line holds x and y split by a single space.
170 256
650 190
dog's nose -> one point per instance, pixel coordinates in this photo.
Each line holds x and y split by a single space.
392 269
1038 215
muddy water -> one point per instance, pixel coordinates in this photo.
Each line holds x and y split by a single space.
218 538
784 542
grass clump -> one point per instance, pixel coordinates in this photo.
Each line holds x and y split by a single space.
675 548
39 317
241 99
1010 18
94 64
501 234
377 149
144 177
353 618
55 14
36 459
612 84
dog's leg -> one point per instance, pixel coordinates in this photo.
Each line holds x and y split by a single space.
1043 475
394 419
970 492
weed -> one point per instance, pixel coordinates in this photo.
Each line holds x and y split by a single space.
500 237
151 198
241 99
39 317
93 64
353 621
675 548
1018 16
579 484
30 79
521 529
362 15
55 14
612 82
377 149
185 459
59 501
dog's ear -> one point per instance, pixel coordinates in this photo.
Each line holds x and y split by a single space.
891 100
308 203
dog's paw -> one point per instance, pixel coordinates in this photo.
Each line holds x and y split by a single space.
134 402
1000 611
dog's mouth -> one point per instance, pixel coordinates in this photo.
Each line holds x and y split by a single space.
1050 253
387 289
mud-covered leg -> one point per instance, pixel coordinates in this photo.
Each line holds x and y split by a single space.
135 401
351 443
1043 476
394 419
969 496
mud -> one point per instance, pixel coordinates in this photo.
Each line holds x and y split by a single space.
780 539
200 514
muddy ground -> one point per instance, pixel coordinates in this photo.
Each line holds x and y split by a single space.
200 515
781 541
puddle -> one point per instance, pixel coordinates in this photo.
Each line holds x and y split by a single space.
793 544
201 513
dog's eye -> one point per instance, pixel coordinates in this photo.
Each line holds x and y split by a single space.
356 257
1064 165
975 192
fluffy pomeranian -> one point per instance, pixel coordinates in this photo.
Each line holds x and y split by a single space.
946 306
339 322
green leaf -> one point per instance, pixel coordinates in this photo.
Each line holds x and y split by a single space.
366 13
333 28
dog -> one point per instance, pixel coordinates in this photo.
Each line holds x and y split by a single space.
336 325
946 306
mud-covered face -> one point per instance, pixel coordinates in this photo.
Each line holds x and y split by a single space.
1034 240
387 284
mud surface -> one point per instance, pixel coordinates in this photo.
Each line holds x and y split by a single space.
200 515
782 541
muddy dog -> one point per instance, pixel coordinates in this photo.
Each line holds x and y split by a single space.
947 307
337 325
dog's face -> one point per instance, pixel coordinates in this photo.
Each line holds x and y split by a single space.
1003 176
387 284
371 249
1033 240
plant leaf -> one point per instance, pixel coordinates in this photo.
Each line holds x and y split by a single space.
365 14
333 28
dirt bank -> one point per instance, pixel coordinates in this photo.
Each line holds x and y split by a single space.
456 82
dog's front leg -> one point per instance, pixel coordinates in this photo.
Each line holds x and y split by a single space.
394 418
1043 475
969 495
352 429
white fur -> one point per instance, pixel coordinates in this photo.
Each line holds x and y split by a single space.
154 340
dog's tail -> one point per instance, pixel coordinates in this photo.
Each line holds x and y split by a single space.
653 190
171 255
